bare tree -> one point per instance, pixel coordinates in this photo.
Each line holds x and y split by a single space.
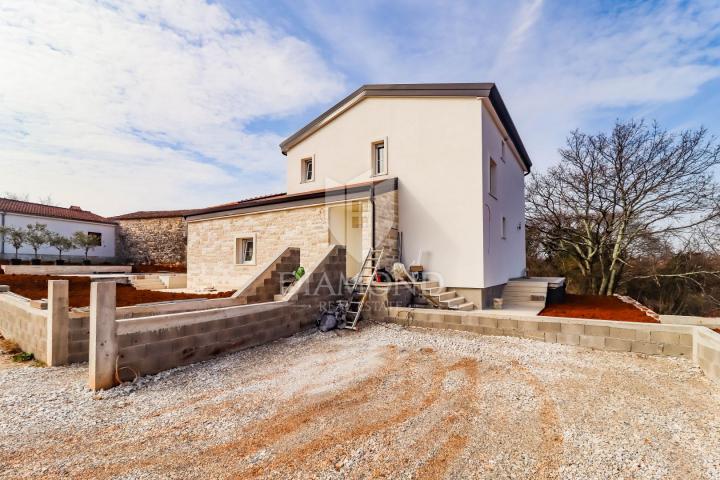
613 190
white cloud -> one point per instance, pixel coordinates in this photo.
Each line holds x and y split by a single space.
143 104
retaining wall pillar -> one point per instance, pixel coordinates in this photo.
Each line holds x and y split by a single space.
103 335
58 323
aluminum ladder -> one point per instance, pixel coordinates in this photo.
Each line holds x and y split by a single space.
361 287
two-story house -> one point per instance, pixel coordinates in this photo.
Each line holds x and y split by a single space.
434 173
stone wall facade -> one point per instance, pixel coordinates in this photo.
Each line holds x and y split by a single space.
211 243
152 240
387 224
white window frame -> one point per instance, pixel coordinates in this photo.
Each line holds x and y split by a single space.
373 158
492 178
239 244
303 171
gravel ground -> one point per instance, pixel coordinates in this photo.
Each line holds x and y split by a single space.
383 402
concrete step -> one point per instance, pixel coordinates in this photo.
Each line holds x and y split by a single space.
444 296
434 290
454 302
278 297
428 284
467 306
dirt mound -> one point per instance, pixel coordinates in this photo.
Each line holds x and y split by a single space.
174 268
34 287
598 307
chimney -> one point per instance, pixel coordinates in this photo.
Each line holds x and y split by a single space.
75 207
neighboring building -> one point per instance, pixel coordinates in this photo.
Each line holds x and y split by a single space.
65 221
153 238
433 172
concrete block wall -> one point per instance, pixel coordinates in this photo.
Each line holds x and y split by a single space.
152 344
268 282
707 352
23 324
652 339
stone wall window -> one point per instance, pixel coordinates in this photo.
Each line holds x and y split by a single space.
245 250
97 236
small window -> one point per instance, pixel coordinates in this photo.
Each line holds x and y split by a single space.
97 236
245 251
503 227
308 170
379 158
493 178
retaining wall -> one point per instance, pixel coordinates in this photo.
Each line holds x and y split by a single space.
147 345
699 343
268 282
64 269
23 324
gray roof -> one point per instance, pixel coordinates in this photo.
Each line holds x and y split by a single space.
487 90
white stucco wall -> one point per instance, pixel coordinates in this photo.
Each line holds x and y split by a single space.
66 228
434 147
504 257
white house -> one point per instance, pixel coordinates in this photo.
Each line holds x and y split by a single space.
432 172
64 221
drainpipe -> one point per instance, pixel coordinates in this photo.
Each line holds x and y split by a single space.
2 238
372 203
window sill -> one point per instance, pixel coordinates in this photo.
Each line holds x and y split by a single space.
307 181
246 264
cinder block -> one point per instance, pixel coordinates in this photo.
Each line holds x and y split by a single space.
549 327
618 344
664 337
685 339
646 347
452 319
507 324
597 330
625 333
568 338
4 288
677 350
551 337
528 326
592 342
533 335
572 328
642 335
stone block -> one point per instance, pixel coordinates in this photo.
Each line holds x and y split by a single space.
665 337
41 304
572 328
549 327
528 326
597 330
590 341
568 338
677 350
618 344
646 347
624 333
4 288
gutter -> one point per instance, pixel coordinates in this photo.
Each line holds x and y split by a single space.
372 203
2 238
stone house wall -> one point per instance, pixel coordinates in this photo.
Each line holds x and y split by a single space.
153 240
211 243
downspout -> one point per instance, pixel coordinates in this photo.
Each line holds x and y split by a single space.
2 239
372 204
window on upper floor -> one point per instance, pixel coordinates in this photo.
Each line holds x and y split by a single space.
245 250
492 184
379 157
308 169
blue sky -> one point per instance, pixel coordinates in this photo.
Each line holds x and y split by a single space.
163 104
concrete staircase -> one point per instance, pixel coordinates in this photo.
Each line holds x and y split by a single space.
441 297
147 282
525 293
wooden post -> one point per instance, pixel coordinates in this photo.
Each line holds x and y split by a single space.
103 335
58 323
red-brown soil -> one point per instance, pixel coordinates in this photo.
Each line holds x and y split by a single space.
598 307
159 268
34 287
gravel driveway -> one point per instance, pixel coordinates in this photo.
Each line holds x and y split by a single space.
383 402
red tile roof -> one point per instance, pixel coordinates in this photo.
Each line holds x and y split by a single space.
39 210
154 214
